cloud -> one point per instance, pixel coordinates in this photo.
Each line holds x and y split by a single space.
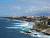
26 11
31 9
48 4
15 8
36 9
33 6
46 8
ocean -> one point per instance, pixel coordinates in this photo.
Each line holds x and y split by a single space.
15 28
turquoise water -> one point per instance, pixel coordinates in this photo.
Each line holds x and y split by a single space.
15 28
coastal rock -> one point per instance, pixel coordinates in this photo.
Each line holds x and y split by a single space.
27 32
47 31
35 34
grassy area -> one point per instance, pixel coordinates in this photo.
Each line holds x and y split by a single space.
42 26
49 26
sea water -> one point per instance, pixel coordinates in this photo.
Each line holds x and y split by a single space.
15 28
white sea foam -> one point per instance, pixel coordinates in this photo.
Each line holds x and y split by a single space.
39 35
24 24
20 25
23 32
32 34
16 23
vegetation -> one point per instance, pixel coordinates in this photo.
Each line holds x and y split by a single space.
42 24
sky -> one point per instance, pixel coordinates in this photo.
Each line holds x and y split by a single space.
24 7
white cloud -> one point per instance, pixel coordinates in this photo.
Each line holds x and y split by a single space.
47 7
49 4
30 9
44 8
33 7
26 11
17 8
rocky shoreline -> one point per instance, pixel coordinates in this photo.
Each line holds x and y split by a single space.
41 18
37 31
42 31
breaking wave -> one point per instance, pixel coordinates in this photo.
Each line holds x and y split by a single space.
23 26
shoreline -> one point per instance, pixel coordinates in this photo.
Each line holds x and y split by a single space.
33 33
33 26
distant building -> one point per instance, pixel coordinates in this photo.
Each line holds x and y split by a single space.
30 16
